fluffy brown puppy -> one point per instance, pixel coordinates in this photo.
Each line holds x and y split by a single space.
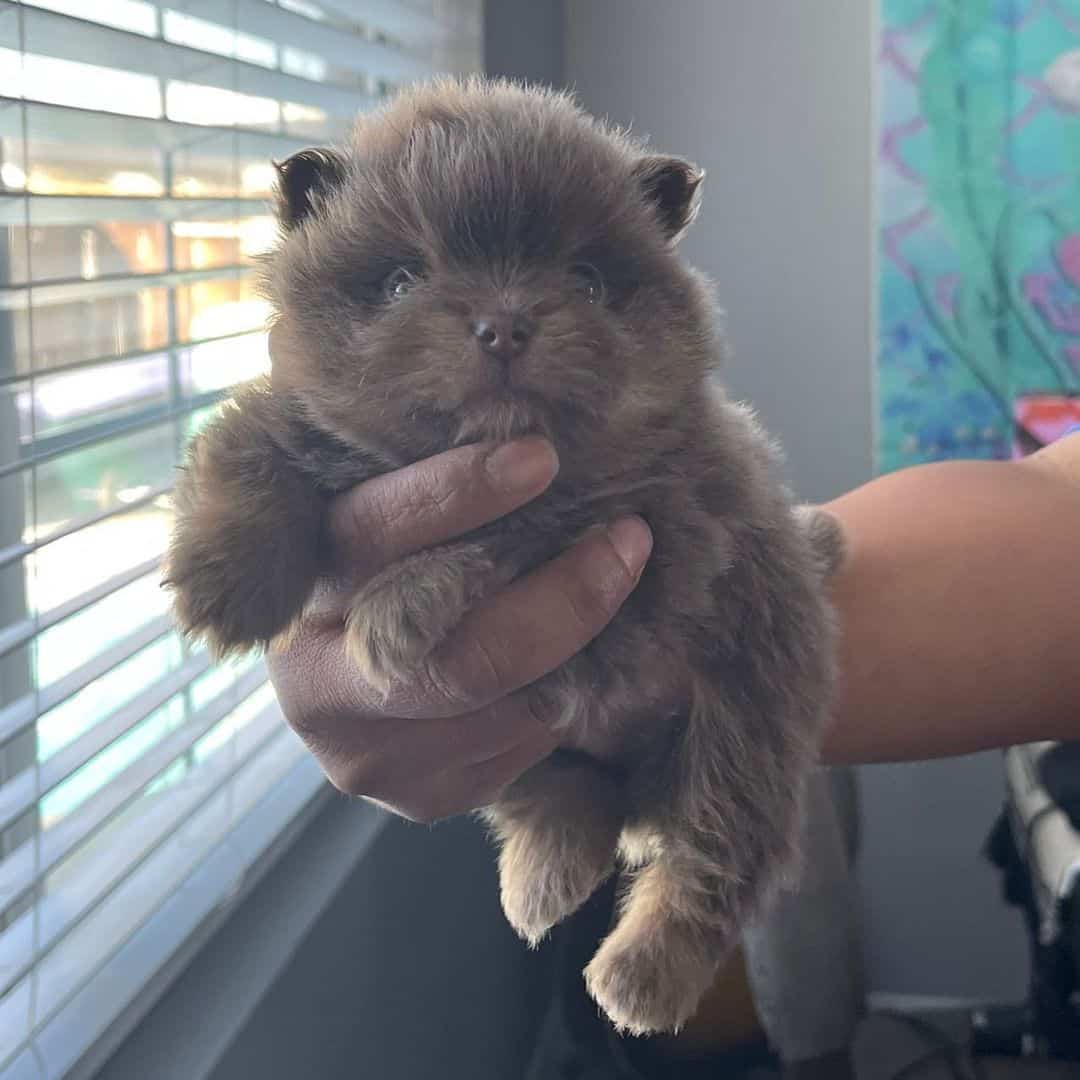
483 261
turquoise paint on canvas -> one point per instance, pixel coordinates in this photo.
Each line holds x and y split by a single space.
978 193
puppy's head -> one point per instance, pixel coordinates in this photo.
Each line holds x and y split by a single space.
481 261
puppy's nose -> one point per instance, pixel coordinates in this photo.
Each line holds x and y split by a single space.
503 336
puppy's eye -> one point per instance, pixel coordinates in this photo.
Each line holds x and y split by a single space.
398 284
589 282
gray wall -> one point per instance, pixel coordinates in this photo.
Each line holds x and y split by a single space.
523 39
774 99
412 974
408 972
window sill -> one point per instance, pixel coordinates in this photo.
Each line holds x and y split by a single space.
191 1012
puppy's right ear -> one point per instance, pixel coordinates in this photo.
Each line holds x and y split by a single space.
303 182
673 187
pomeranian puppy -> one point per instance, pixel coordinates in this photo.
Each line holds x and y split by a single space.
483 261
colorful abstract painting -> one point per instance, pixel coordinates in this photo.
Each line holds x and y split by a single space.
978 208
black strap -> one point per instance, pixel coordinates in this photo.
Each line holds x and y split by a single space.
1059 772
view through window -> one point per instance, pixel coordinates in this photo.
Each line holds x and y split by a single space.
136 141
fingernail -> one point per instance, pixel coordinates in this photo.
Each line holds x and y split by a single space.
632 540
526 465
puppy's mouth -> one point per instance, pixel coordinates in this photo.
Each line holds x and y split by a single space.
504 398
502 412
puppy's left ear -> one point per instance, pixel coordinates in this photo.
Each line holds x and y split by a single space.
303 182
673 186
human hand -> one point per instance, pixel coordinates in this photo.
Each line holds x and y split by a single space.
468 725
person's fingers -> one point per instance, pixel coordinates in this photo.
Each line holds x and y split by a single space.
441 762
435 500
521 633
530 627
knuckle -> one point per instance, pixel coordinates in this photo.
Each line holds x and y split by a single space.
356 777
303 711
305 723
414 495
472 678
542 706
361 523
429 494
381 515
426 809
596 592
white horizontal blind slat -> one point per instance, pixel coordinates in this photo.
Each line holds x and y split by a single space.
75 210
19 794
413 23
21 632
181 913
18 551
21 869
150 418
332 42
76 35
82 126
12 298
65 906
96 361
63 37
24 711
161 878
139 783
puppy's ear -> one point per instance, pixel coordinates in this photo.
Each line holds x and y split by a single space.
303 182
673 186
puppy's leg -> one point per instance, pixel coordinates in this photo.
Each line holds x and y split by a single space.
825 534
722 832
245 550
559 825
406 611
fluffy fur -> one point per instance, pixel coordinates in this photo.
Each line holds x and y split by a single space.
462 206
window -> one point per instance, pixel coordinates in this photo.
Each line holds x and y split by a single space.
139 783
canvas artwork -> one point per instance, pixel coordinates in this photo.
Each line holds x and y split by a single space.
978 211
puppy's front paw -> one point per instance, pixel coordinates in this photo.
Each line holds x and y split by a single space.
231 600
399 617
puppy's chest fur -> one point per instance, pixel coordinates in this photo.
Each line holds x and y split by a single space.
616 693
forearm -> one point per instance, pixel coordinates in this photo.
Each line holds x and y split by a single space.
960 609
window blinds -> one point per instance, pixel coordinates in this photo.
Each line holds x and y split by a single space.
139 783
